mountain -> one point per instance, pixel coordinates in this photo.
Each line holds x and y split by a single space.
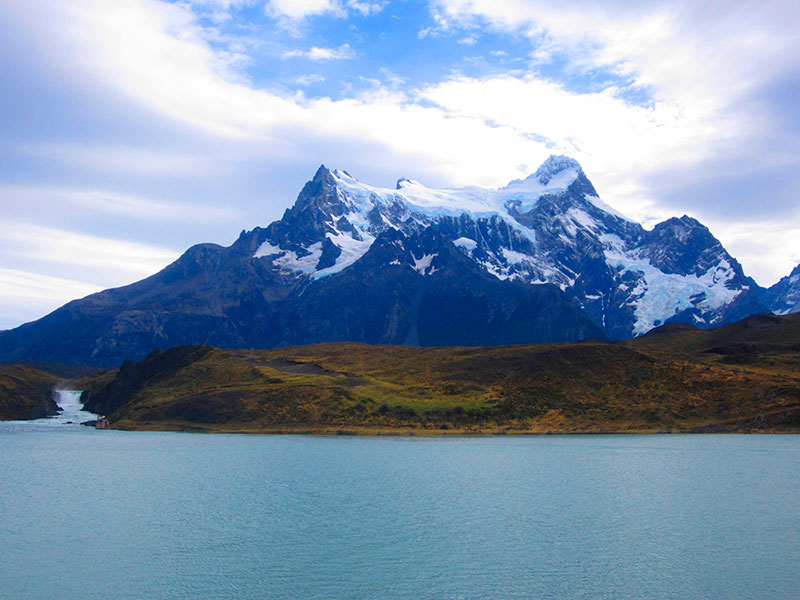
549 228
784 297
540 260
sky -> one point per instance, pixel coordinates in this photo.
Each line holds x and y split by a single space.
132 129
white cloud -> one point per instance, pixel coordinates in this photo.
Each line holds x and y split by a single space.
470 40
113 203
310 79
319 54
218 10
366 8
769 249
182 80
300 9
685 52
123 159
611 138
25 286
466 130
27 296
45 244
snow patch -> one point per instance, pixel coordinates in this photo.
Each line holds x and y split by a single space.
290 261
421 265
514 258
582 218
351 248
466 243
266 249
606 208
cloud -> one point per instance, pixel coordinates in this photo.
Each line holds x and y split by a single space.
54 266
27 296
122 159
116 204
769 246
318 54
701 76
609 136
300 9
684 52
615 139
219 11
366 8
45 244
309 79
297 10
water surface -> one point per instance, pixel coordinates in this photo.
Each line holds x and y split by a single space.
100 514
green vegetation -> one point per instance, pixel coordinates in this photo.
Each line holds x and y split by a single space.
26 393
742 377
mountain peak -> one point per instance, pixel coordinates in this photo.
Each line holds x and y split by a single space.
554 165
405 182
322 174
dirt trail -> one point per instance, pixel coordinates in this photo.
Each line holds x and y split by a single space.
285 365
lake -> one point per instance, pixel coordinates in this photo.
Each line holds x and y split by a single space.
106 514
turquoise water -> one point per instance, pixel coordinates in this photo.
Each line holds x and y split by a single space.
104 514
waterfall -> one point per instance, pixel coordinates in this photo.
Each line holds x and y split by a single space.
71 408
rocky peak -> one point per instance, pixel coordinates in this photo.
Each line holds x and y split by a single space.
684 245
784 296
323 175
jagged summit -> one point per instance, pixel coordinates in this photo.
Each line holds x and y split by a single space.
784 297
404 182
322 173
548 228
554 165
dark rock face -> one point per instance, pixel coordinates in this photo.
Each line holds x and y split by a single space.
541 260
683 246
383 299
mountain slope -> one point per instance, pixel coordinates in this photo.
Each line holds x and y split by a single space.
784 297
221 296
540 260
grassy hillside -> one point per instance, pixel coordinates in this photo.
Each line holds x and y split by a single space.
743 377
757 334
26 393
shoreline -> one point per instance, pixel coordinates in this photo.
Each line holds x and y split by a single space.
339 431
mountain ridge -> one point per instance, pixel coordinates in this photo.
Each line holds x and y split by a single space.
541 259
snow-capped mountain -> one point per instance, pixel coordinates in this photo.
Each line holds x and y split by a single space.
549 228
540 260
784 297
